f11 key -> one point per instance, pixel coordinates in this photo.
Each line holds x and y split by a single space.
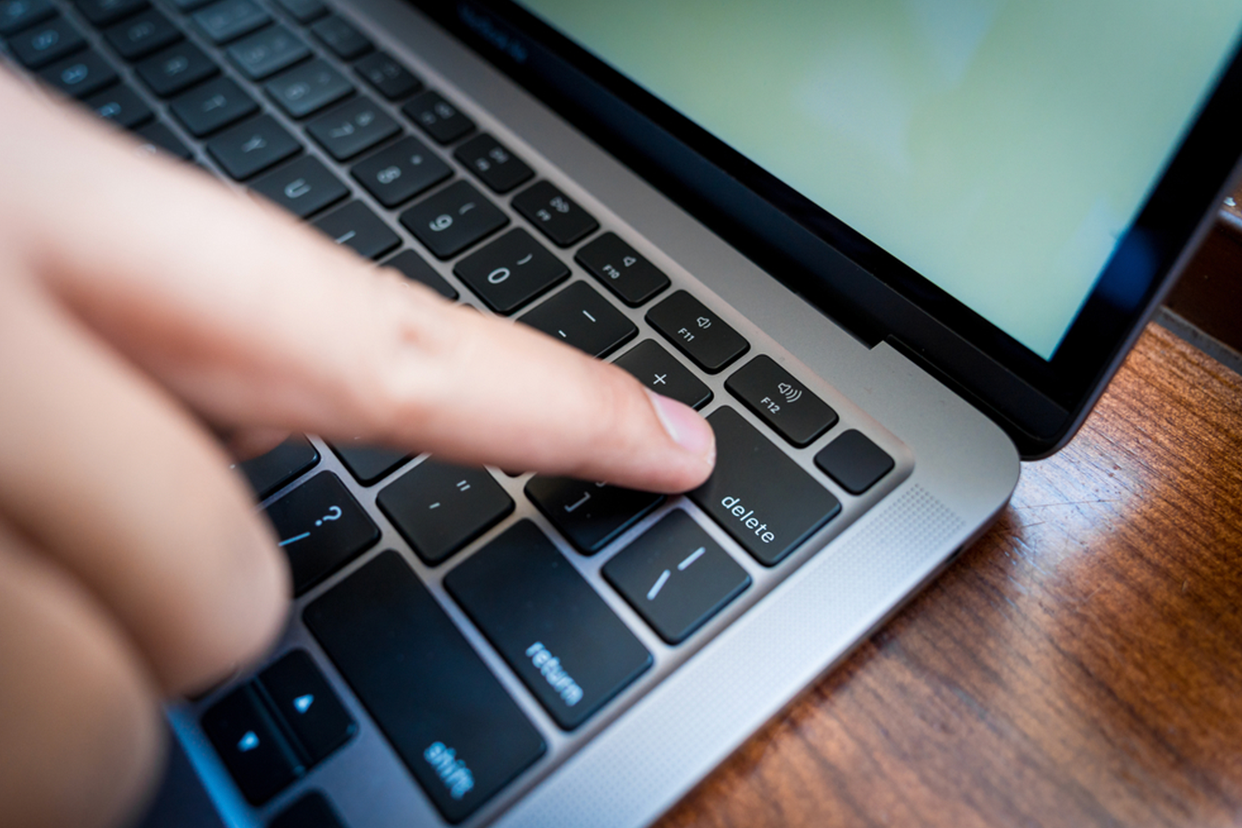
697 332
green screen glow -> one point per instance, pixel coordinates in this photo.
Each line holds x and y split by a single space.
997 148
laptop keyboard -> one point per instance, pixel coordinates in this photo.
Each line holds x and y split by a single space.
585 593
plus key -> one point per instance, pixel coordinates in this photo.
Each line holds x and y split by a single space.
660 371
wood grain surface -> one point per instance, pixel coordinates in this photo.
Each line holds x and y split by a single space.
1081 665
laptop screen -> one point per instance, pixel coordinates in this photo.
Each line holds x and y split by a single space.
998 149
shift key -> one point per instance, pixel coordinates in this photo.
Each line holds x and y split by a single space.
767 502
444 712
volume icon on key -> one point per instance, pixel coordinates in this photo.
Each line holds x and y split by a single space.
789 392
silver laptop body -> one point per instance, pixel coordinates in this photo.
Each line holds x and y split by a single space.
954 453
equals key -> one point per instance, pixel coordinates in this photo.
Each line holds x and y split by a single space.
439 508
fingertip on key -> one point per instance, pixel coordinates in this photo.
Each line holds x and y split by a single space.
685 427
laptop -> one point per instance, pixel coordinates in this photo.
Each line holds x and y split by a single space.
889 250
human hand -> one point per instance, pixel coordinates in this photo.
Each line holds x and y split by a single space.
142 303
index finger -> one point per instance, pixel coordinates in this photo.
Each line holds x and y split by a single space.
257 321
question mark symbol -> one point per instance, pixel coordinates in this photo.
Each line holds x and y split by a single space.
334 513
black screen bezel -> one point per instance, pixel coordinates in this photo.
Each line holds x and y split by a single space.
1039 402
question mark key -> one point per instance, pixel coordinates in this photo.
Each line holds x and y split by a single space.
320 527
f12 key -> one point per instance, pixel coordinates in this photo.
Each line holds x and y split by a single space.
781 401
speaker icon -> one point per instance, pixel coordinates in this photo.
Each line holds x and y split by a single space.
789 392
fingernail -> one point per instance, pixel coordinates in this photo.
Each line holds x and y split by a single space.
685 426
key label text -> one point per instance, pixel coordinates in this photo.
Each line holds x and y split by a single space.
451 770
550 667
746 518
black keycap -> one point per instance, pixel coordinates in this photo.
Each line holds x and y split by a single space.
492 163
321 528
660 371
308 88
339 35
304 186
351 128
40 45
105 12
230 19
304 701
122 106
590 515
368 463
511 271
631 277
269 472
414 266
579 316
176 69
453 219
400 172
141 35
252 147
781 401
761 497
187 6
159 138
16 15
81 75
354 225
311 811
446 715
437 117
268 51
676 577
558 218
212 106
387 76
439 508
854 461
561 639
249 742
697 332
304 11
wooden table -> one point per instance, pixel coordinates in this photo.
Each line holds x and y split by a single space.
1081 665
